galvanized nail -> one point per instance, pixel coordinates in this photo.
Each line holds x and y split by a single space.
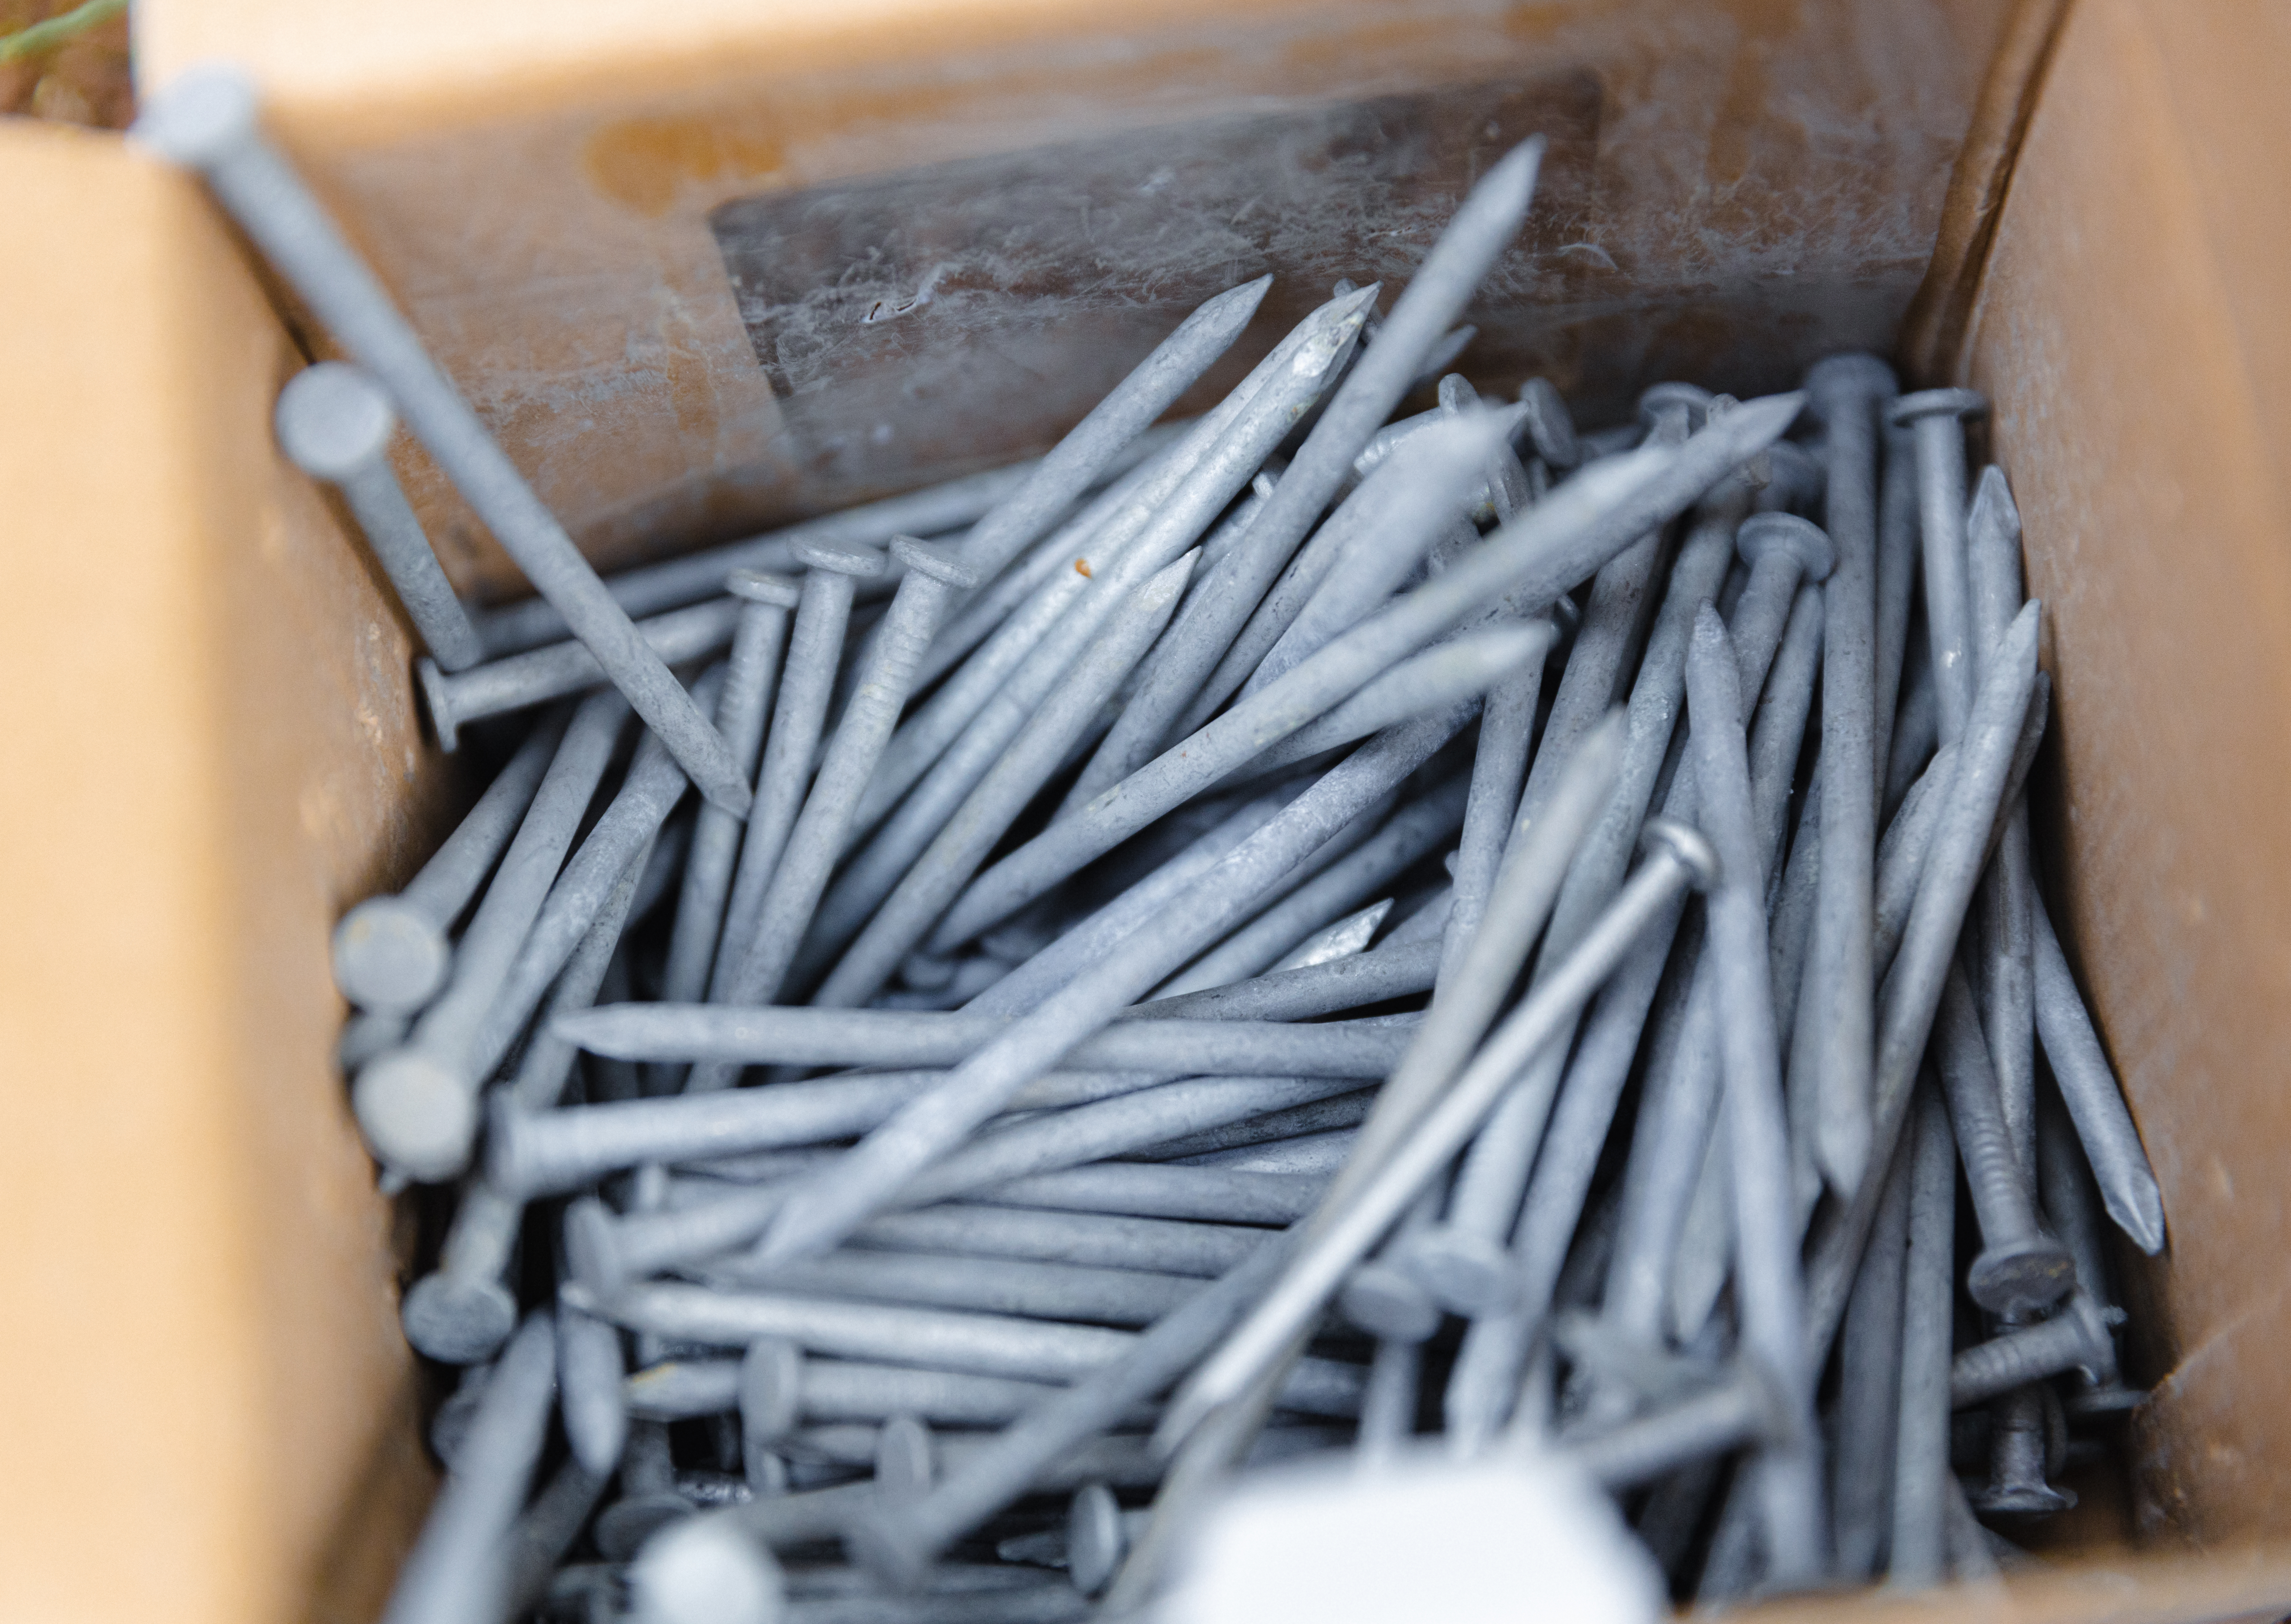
1788 1473
1481 229
590 1374
648 1499
1258 947
1074 463
829 1206
1555 544
2020 1269
1918 1551
1741 1408
817 838
208 119
822 617
1678 856
742 709
523 681
803 1036
1869 1390
1898 545
2095 1105
2072 1210
1913 987
1029 1288
1936 417
416 1103
2016 1483
1847 390
942 718
892 892
391 951
335 423
2076 1337
459 1552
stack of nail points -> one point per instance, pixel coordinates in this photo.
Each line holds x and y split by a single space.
1198 962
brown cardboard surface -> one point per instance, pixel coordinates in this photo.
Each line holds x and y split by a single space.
2132 334
212 752
1762 183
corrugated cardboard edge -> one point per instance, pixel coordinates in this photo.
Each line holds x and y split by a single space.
1934 332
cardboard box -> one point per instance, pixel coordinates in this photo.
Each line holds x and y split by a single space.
210 1413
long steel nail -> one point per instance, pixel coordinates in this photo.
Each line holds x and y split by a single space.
459 1556
1402 509
412 1123
1463 665
590 1378
891 893
2073 1211
823 617
817 838
426 1075
902 1545
833 1203
1898 540
1913 987
930 1338
1389 528
2076 1338
1481 229
1677 858
2112 1141
1917 1550
1847 390
1536 556
462 1311
536 1546
1074 463
649 1499
334 423
1030 1288
1110 577
803 1036
523 681
940 719
775 1388
742 709
1766 1236
1741 1408
390 952
1409 835
1870 1385
208 119
2020 1269
1465 1259
1936 416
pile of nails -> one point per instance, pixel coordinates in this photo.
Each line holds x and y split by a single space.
1301 930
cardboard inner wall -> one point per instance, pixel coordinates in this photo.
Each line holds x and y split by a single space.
208 1409
1733 189
213 691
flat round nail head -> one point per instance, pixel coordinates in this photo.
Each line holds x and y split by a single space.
1765 533
456 1320
699 1572
2022 1276
389 957
417 1115
1385 1303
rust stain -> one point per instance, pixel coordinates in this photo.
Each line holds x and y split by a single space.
646 164
643 163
